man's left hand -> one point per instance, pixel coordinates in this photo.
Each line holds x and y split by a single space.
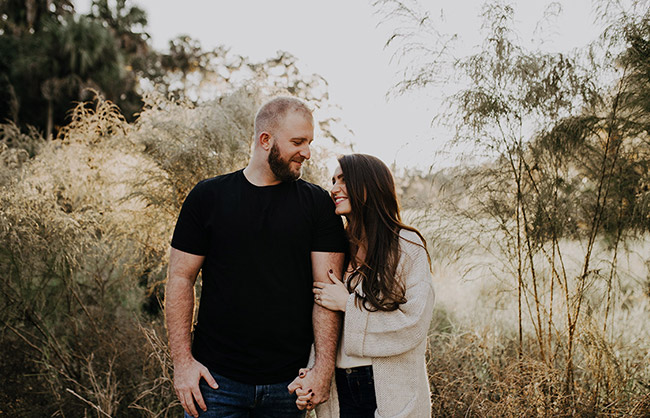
312 387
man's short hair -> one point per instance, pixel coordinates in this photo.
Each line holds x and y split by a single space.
273 112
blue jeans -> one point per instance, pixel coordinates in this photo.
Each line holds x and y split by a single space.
356 390
240 400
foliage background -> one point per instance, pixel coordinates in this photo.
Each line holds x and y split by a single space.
540 254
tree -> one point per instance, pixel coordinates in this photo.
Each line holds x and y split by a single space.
568 160
50 55
128 25
83 55
20 16
188 72
23 55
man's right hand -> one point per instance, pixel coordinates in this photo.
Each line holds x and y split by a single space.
187 375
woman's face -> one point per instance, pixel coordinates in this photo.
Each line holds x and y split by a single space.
339 193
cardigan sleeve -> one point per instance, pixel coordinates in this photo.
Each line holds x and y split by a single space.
382 334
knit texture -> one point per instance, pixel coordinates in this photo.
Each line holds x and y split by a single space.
395 341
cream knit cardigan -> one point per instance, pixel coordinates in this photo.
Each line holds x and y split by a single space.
395 341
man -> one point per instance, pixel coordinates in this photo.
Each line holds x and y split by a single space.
258 235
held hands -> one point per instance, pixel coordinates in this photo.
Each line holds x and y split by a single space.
333 296
311 387
187 375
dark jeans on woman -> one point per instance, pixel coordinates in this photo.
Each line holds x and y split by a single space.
356 390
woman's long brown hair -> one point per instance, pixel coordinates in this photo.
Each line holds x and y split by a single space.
374 218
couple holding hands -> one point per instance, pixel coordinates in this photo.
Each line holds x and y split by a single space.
298 311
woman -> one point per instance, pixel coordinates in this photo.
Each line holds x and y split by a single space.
386 296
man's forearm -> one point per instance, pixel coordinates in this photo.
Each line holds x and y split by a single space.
327 324
327 327
179 311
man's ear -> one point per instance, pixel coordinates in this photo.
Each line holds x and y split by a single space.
265 141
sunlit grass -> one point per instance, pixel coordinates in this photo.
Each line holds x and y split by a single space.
474 363
85 224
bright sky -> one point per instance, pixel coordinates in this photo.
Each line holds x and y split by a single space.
341 41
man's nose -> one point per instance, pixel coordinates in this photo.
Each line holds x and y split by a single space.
305 152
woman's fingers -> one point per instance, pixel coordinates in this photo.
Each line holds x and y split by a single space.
305 395
302 405
333 277
331 296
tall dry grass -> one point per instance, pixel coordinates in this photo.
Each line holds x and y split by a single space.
475 363
85 225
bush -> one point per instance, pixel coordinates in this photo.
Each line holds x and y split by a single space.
85 224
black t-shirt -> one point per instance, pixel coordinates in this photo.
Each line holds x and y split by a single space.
254 322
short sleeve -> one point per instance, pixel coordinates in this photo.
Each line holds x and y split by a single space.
328 234
190 234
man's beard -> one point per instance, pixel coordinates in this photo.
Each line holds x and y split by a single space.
280 168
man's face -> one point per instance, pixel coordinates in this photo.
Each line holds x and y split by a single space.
290 148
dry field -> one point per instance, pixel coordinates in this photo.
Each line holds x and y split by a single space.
476 364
